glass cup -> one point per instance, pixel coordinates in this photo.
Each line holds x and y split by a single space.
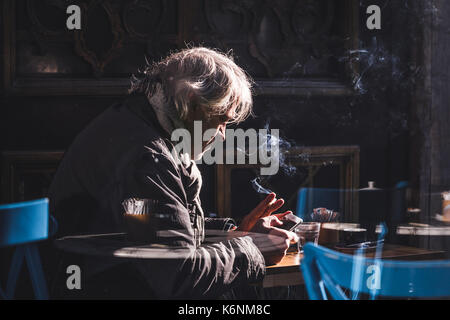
307 232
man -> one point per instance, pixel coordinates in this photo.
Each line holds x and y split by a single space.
127 153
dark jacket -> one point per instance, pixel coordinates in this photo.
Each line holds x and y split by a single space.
124 153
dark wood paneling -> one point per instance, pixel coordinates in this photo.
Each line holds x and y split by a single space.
311 108
27 175
289 47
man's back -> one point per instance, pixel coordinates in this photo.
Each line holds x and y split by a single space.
86 192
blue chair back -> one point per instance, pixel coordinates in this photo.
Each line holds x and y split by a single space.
24 222
22 225
328 273
311 198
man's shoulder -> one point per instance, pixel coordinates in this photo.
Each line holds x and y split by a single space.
115 138
128 121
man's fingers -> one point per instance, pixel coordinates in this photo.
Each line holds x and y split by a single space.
291 236
265 202
281 215
269 205
268 199
257 213
273 207
275 222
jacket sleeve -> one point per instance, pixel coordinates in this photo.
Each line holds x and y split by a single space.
206 271
224 224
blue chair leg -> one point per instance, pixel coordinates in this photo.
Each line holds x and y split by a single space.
36 273
357 273
323 291
14 271
378 254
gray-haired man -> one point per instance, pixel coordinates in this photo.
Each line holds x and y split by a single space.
126 152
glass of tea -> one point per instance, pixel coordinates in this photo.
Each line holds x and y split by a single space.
307 232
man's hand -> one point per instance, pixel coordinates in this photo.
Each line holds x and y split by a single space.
269 205
270 240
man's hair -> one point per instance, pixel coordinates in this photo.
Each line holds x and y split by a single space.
199 76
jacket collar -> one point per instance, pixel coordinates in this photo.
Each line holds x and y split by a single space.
139 105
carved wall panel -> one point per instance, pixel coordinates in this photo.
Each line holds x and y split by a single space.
43 57
290 47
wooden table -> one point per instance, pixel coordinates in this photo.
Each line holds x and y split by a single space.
288 273
285 273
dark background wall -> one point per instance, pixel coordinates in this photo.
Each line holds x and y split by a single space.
39 110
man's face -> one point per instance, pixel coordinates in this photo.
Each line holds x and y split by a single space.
218 124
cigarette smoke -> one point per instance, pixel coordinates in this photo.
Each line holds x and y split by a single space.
257 186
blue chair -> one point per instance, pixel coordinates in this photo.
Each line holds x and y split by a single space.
22 225
311 198
328 273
